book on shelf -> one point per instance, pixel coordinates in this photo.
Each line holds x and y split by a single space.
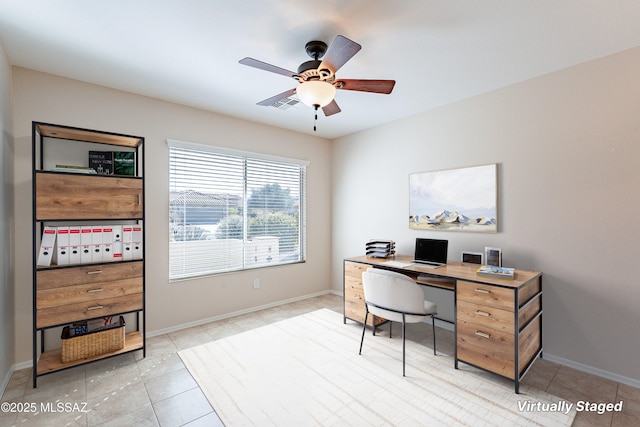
113 162
493 271
124 163
73 169
47 246
94 325
101 162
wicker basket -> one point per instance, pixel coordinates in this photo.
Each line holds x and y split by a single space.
93 343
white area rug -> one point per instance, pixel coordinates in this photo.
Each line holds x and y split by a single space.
306 371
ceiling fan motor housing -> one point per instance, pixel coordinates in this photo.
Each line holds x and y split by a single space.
309 65
310 70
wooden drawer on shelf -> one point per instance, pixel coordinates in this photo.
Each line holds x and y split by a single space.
67 196
87 293
485 347
355 269
485 316
69 313
484 294
90 274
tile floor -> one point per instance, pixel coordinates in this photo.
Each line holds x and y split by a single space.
159 391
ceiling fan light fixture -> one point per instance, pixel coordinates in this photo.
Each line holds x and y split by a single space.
316 93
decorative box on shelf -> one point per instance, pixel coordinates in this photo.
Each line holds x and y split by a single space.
92 343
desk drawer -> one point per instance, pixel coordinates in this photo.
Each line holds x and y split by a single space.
485 347
484 294
69 313
353 285
485 316
355 310
355 269
91 274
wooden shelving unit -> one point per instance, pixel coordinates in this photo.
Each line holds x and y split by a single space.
74 292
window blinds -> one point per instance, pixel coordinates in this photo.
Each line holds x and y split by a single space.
232 210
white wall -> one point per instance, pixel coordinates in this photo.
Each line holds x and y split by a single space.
47 98
568 149
6 208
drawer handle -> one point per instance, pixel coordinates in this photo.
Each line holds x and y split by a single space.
483 313
139 198
91 291
97 307
94 272
483 334
482 291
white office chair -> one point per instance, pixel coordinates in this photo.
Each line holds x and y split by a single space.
397 298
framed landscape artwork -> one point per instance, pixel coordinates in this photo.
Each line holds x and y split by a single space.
462 199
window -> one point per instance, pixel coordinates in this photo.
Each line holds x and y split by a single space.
231 210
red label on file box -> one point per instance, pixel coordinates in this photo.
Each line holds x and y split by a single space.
49 231
74 231
107 230
63 231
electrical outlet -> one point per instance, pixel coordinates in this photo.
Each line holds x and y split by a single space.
256 283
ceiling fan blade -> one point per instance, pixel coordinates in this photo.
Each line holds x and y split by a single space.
341 50
331 108
266 67
270 101
375 86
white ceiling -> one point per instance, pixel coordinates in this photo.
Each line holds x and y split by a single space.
187 51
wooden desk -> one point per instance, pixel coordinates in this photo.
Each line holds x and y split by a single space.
498 322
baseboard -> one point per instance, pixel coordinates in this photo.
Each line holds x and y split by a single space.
443 324
12 369
591 370
5 381
235 313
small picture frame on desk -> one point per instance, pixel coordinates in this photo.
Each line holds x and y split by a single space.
471 257
493 256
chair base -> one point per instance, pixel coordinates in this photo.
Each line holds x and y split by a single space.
364 328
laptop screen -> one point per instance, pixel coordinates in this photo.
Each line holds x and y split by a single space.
431 250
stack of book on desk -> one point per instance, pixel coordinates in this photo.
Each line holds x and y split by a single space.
380 248
493 271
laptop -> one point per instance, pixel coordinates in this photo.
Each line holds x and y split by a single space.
431 253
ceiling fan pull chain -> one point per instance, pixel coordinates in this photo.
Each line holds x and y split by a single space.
315 119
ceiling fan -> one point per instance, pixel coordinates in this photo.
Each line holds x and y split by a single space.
317 78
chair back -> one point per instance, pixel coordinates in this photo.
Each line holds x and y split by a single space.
394 291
